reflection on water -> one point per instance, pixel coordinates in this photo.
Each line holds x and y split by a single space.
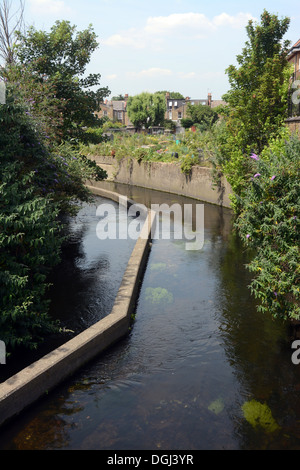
197 353
85 283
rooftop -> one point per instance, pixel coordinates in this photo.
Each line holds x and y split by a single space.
294 49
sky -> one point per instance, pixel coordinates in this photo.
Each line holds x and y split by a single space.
155 45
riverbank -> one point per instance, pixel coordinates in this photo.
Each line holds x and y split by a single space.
27 386
199 184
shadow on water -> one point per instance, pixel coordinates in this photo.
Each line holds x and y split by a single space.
84 284
198 352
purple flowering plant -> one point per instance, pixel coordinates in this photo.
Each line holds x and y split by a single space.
268 223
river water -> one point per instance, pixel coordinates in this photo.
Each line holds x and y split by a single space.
200 369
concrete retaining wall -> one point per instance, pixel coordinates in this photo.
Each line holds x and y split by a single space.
167 177
21 390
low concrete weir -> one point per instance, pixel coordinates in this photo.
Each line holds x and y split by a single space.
30 384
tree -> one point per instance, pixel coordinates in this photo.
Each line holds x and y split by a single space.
146 109
9 24
61 57
257 100
38 182
203 115
258 95
174 95
118 98
29 229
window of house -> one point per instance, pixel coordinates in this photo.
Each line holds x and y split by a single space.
170 114
179 115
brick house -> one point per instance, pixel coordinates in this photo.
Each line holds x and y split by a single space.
116 111
294 58
177 108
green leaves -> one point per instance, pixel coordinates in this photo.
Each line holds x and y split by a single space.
29 246
257 99
203 115
146 109
59 58
269 223
40 179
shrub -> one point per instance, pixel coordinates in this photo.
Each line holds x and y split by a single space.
30 236
93 135
187 123
37 182
269 224
29 247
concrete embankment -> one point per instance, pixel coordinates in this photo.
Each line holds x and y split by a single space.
33 382
168 177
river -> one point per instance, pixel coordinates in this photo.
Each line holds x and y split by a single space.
200 369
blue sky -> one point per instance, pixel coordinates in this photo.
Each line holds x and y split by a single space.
176 45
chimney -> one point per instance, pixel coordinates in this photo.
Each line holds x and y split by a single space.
209 100
126 97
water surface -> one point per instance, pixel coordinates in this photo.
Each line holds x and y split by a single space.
197 352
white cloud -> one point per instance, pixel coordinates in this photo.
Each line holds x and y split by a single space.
187 75
48 7
154 72
191 22
165 24
151 72
185 25
129 38
237 21
112 76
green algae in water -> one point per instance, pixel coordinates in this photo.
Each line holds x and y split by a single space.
259 415
158 266
216 406
158 295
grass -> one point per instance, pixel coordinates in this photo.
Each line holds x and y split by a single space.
188 149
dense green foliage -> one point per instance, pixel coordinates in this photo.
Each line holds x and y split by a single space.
269 223
173 95
146 109
30 237
41 176
191 148
202 115
261 161
257 99
60 57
